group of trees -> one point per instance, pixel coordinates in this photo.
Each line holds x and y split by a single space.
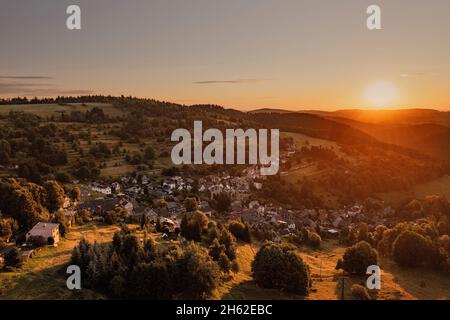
128 269
217 238
357 258
422 242
240 230
278 266
29 203
306 236
303 194
416 244
8 227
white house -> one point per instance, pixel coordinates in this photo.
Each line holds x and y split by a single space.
45 230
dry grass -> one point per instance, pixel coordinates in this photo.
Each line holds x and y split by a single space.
440 186
46 110
43 276
397 283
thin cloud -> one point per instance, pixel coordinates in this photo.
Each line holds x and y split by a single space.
417 74
236 81
30 90
25 77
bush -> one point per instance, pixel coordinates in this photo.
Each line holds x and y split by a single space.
411 249
278 266
358 257
12 258
199 273
359 292
240 230
2 244
314 240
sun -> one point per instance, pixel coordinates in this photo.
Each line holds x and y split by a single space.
381 93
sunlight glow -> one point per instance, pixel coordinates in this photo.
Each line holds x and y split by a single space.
381 93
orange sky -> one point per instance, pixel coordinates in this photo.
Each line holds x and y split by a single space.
300 54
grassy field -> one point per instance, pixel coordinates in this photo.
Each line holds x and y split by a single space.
47 110
43 276
396 283
304 140
115 166
440 186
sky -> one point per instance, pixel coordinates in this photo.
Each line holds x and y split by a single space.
243 54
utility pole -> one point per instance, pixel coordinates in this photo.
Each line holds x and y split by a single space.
343 288
320 273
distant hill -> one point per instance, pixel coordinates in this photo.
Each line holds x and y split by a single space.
314 126
400 116
269 110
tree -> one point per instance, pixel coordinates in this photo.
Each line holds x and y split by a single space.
149 153
111 217
411 249
363 234
158 225
358 257
359 292
224 262
61 219
23 202
12 258
75 194
190 204
216 249
151 281
314 240
222 202
278 266
193 228
199 273
5 152
240 230
8 227
54 195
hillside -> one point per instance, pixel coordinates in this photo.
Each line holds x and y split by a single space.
43 276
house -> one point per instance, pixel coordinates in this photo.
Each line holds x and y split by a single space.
101 189
258 185
26 254
45 230
70 216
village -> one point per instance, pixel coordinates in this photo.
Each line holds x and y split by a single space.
162 199
168 204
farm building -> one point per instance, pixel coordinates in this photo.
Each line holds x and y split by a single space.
45 230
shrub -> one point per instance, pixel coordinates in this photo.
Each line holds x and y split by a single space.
12 258
224 262
359 292
314 240
411 249
358 257
199 273
240 230
339 264
278 266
